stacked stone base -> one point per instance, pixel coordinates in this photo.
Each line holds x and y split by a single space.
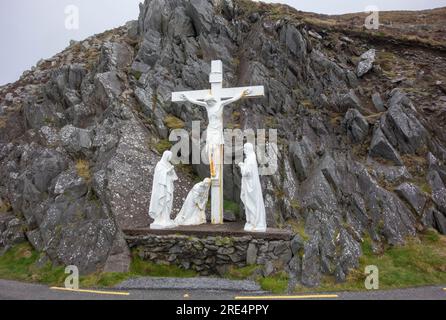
213 254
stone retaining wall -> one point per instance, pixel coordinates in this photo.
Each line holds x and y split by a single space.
213 254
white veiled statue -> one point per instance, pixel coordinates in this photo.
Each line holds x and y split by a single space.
251 192
162 193
193 210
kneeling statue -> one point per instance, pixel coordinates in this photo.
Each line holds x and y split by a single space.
193 210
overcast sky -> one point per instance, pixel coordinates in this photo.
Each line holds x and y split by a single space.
31 30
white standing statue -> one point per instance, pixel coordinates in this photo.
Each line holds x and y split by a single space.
162 193
214 100
251 192
193 211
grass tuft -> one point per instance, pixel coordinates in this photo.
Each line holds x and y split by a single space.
173 122
83 169
137 74
231 206
19 263
242 273
277 283
298 227
5 206
3 122
162 145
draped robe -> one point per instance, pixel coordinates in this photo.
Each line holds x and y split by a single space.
162 193
193 210
251 193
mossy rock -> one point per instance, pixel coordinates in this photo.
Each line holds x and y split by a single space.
224 241
162 145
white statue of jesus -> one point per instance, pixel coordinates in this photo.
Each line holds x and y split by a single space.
193 211
214 108
215 144
162 193
251 192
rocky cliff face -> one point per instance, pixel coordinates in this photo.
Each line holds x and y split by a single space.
361 142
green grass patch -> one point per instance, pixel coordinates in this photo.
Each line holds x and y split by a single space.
270 122
137 74
426 188
432 236
20 263
224 241
162 145
277 283
103 279
386 60
298 227
15 263
231 206
242 273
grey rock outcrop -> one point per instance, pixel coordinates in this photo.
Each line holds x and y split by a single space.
378 102
356 125
350 100
303 155
11 231
403 129
380 147
366 62
413 195
115 56
438 190
75 140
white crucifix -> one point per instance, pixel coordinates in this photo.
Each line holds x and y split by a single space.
214 100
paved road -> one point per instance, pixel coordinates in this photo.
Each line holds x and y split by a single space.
26 291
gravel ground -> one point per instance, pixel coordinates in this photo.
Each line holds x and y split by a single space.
199 283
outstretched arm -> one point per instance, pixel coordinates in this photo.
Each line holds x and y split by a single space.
200 103
241 95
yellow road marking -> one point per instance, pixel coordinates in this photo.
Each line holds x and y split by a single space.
310 296
119 293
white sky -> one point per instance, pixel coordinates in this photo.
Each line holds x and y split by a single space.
31 30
